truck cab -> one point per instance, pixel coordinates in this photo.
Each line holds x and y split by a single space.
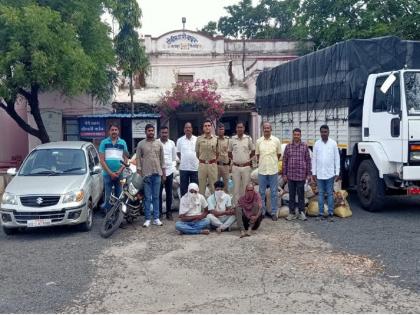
389 154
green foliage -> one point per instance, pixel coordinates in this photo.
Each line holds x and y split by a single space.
131 55
210 29
39 49
325 22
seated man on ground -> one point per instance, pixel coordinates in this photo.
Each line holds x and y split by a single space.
221 216
193 212
249 211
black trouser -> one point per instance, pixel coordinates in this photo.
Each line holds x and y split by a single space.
187 177
168 190
296 187
247 222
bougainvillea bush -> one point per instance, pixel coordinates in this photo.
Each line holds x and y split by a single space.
200 95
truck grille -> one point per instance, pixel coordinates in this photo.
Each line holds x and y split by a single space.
39 201
23 217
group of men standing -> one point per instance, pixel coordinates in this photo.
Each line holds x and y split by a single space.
207 161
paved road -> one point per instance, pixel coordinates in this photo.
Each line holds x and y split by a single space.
43 269
391 236
47 270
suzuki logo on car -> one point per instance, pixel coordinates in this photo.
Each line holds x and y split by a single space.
39 200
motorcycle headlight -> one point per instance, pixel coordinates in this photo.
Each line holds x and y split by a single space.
9 199
132 190
74 196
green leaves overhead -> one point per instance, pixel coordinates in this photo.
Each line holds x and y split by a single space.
323 21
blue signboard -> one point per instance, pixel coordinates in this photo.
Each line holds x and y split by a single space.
92 127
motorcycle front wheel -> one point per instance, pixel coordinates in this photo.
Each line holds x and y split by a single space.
112 221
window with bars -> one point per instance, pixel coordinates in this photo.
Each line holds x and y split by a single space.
71 130
185 78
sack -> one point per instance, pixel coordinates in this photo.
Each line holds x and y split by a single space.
283 212
313 208
308 191
254 176
175 204
280 166
341 206
337 185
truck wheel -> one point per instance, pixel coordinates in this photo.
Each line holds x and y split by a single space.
370 188
9 231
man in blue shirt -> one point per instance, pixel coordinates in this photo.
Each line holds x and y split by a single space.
111 151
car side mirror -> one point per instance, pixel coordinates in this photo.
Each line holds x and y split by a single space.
96 170
12 171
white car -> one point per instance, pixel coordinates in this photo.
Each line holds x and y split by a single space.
59 183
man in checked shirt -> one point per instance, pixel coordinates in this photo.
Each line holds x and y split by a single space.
296 169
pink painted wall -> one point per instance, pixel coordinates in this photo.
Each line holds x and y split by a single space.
13 140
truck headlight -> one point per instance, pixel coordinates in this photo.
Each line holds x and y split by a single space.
9 199
415 156
74 196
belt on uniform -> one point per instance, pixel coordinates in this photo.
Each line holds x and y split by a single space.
242 164
208 162
222 163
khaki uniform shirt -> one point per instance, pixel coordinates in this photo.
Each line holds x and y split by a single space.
268 149
241 148
222 148
150 157
206 148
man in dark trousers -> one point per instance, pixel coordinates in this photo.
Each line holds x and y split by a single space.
296 170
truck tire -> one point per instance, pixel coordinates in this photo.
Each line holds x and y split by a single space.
370 187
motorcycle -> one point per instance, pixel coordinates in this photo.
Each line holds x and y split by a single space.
128 206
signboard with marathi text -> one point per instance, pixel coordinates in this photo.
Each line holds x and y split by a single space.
184 42
138 126
92 128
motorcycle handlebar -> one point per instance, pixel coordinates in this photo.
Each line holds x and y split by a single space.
125 164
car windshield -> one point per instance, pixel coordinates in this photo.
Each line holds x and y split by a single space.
54 162
412 92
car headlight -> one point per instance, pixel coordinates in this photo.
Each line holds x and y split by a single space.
9 199
132 190
74 196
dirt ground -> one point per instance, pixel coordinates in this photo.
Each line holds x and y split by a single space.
280 269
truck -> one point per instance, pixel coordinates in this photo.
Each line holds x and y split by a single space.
368 92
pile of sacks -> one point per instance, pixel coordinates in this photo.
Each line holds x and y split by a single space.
341 206
176 193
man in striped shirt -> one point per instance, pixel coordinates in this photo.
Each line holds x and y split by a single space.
296 169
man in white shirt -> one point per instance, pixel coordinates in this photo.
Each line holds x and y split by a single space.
188 168
169 151
325 170
221 216
193 212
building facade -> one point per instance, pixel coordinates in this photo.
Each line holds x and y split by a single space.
180 55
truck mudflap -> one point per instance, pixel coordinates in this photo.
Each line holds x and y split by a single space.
411 173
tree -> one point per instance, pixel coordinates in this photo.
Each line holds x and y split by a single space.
329 21
200 94
210 29
268 19
52 45
130 55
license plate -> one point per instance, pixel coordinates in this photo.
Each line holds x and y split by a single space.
413 191
39 222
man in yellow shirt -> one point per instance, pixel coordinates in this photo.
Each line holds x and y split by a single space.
268 152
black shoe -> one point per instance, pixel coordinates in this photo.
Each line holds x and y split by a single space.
320 218
330 218
169 217
274 217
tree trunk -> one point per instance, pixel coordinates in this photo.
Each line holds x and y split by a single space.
32 98
36 113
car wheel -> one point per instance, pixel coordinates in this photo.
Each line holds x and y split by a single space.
87 225
9 231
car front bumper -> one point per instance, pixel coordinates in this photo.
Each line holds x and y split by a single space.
15 218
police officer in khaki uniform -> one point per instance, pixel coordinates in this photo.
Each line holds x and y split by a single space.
206 150
223 160
241 151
